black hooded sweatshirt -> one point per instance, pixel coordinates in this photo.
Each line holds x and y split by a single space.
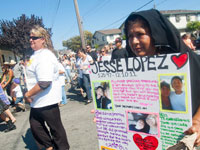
167 40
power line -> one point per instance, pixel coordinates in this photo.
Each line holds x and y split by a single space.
96 7
144 5
161 2
128 14
100 7
70 30
111 23
85 14
93 8
54 18
115 22
100 4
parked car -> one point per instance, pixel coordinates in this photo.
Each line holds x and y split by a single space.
197 43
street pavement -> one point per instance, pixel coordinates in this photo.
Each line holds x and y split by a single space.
76 118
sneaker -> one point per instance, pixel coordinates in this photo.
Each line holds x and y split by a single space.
22 108
88 101
60 105
10 126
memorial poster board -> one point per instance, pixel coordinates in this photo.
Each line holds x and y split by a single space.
133 112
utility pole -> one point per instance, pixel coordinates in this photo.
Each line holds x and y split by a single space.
79 25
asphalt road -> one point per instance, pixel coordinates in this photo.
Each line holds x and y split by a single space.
76 118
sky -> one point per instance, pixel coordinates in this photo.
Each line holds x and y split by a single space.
95 14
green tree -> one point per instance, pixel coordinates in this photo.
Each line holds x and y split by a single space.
88 37
74 43
96 46
193 26
14 35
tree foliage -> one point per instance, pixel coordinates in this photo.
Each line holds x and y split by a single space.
193 26
14 35
74 43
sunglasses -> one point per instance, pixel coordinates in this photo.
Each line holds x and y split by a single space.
102 51
35 37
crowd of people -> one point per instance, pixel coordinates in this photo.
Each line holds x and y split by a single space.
11 89
72 67
41 79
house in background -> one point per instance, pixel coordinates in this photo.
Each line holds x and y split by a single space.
179 18
6 56
103 37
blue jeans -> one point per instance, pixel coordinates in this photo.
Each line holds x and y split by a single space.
68 74
19 100
80 82
86 84
64 97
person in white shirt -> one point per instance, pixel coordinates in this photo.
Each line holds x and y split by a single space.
62 83
85 62
67 65
73 62
18 95
44 93
104 55
80 76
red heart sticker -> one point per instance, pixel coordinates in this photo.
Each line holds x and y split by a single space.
148 143
180 60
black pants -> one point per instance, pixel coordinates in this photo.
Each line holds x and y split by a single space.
49 115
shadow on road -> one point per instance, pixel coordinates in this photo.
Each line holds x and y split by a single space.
3 126
29 140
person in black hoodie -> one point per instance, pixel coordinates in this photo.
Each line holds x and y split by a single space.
150 33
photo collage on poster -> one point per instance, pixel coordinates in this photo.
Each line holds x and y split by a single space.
141 103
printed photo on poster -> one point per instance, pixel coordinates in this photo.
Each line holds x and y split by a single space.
173 92
102 95
142 122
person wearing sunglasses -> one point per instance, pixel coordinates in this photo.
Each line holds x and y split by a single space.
44 93
91 52
104 55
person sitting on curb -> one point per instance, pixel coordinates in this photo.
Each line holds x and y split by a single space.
18 95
